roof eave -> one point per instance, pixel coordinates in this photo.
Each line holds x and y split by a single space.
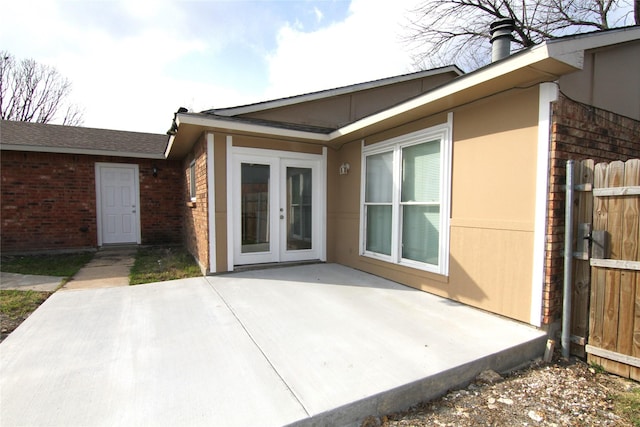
191 126
84 151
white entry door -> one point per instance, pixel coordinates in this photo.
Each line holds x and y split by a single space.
276 208
118 203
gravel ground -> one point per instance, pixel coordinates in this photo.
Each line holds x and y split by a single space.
543 394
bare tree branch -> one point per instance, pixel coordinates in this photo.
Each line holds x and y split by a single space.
458 30
33 92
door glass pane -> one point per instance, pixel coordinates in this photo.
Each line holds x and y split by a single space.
379 229
255 207
299 221
420 233
421 172
379 179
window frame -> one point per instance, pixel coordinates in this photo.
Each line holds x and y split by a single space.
443 133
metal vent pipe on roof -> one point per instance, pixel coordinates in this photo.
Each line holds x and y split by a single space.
501 36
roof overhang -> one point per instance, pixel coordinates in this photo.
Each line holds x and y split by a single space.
543 63
191 126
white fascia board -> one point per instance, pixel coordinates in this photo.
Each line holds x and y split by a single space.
283 102
167 151
89 152
251 128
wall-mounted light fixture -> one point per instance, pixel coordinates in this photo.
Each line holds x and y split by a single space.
344 168
154 171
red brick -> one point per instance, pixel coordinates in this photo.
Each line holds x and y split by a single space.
49 201
578 132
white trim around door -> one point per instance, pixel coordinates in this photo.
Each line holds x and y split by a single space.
118 203
276 206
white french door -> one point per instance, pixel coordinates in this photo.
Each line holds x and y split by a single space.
277 206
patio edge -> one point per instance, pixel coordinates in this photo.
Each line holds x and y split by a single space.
428 388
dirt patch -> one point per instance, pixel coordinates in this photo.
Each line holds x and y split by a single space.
9 324
555 394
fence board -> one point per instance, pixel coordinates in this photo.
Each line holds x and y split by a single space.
631 251
610 331
596 309
618 191
581 268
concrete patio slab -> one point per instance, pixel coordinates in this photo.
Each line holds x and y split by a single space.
308 345
350 344
167 354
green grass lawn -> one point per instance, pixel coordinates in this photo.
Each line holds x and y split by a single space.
61 265
158 264
16 304
628 405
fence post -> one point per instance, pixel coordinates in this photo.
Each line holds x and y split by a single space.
568 259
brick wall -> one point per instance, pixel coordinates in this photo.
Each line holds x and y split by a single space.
48 201
196 231
578 131
160 201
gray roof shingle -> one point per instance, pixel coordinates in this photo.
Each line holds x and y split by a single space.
41 137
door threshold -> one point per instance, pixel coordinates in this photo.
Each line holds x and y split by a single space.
118 246
250 267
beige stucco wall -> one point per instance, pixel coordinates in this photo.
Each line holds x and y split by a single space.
220 172
492 210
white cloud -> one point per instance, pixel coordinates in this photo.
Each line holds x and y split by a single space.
318 13
119 76
122 81
365 46
133 63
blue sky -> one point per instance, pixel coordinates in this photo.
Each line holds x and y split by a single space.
132 63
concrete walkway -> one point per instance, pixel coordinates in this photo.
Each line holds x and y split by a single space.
108 268
25 282
308 345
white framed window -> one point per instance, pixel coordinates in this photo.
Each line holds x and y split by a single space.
192 180
405 199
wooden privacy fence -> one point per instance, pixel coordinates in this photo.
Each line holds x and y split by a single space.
606 275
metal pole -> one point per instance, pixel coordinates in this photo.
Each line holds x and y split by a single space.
568 261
